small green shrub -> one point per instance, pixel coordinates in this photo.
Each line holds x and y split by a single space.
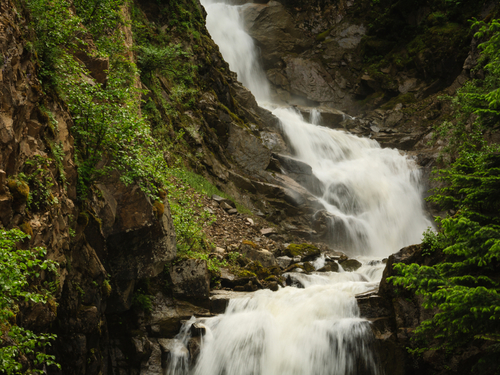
19 283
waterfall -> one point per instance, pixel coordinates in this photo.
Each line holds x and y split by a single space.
374 203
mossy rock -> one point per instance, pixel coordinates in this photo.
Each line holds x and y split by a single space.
83 219
19 189
257 268
305 251
308 267
26 228
350 265
158 209
245 273
249 243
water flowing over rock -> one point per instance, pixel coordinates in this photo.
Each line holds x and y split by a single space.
371 204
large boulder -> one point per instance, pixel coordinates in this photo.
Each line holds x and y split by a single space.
252 251
309 79
135 236
247 150
274 30
166 315
191 279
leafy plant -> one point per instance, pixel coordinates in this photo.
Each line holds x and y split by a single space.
18 271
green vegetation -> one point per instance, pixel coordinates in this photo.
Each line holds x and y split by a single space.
109 131
303 250
465 287
20 272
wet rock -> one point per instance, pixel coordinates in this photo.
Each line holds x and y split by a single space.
190 278
142 348
219 299
166 316
299 171
194 348
371 305
197 329
330 267
153 365
350 265
274 30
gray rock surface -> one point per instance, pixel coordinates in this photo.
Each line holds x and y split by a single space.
191 279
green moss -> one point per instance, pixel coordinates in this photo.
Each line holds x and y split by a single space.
19 189
304 250
322 36
250 243
308 267
26 228
257 268
158 209
246 273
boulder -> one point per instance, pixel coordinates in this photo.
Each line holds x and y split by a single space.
330 267
247 150
251 251
219 299
166 316
274 31
305 251
190 279
284 261
299 171
309 79
371 305
137 235
350 265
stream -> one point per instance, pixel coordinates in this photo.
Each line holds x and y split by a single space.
375 201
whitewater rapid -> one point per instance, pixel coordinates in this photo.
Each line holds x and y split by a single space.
374 201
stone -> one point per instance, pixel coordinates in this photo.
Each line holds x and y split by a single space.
190 278
251 251
166 315
225 206
220 251
274 30
268 231
300 172
306 252
284 261
350 265
139 239
194 348
372 305
232 211
330 267
142 347
197 329
247 150
219 299
250 221
309 79
273 141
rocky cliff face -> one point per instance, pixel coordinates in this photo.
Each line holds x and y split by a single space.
116 243
104 245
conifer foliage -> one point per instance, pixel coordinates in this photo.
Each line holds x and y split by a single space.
464 288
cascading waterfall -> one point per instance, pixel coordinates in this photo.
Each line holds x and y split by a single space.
375 208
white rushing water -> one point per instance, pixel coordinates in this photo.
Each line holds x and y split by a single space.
375 206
